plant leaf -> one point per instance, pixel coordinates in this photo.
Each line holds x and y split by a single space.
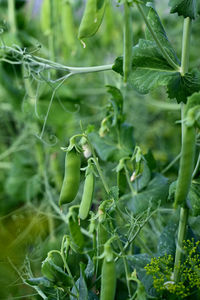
185 8
180 87
194 198
166 242
149 68
159 31
157 190
114 145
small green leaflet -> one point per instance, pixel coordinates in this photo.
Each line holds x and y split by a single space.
185 8
92 18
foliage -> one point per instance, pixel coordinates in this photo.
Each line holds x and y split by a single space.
102 84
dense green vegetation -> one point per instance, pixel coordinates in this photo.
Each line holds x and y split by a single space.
99 149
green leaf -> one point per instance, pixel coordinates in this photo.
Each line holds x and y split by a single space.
116 144
23 182
185 8
166 242
89 271
55 273
82 288
194 198
114 193
155 192
92 18
138 262
159 31
41 281
149 68
143 179
180 87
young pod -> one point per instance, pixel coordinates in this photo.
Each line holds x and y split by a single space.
108 275
186 165
92 18
71 180
88 191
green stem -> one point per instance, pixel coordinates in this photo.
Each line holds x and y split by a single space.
181 236
76 70
133 191
171 163
95 158
162 49
186 45
124 261
127 62
11 16
184 210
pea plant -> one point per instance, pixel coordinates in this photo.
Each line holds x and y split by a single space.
112 195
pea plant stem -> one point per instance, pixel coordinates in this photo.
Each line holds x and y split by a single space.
181 236
98 166
186 45
162 49
127 41
11 16
183 219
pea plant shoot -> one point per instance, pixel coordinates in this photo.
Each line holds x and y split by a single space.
127 230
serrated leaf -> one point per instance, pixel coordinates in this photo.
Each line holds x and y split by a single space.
180 87
116 144
185 8
166 242
149 68
155 192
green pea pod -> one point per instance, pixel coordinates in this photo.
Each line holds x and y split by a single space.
71 180
92 18
45 17
67 24
87 197
75 232
108 275
186 165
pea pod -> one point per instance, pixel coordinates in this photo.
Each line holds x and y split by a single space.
45 17
67 24
71 180
108 275
87 194
186 165
92 18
